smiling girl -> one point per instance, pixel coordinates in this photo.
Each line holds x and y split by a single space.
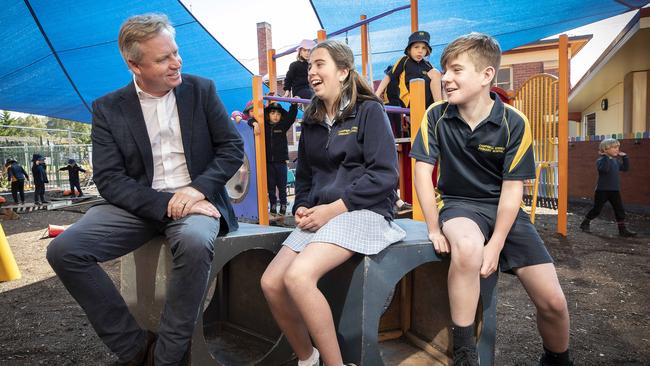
345 179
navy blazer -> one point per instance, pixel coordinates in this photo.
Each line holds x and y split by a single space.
123 162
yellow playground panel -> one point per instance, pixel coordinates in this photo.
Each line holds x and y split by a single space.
538 100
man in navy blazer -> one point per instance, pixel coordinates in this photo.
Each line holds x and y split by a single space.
163 150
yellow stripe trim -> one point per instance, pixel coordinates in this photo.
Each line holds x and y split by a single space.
424 125
526 139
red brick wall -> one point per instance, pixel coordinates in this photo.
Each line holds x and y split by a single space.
522 72
554 72
263 44
635 187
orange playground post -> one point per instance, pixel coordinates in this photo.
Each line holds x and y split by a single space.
260 152
273 83
414 15
364 48
322 35
417 113
563 136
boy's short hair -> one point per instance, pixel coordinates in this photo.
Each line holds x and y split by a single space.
481 48
607 143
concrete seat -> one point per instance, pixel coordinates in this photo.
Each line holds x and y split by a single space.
359 292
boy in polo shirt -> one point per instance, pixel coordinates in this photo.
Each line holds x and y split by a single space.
484 149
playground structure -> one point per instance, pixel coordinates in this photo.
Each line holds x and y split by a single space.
542 100
539 100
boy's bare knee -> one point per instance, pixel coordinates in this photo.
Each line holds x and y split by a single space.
555 306
467 253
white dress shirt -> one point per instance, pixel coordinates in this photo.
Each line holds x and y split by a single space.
163 127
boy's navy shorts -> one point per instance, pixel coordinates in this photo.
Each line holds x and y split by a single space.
524 247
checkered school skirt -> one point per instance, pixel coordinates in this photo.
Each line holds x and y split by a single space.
361 231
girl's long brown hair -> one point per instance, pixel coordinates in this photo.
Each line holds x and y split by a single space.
354 88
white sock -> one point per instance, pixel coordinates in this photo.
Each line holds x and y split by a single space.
313 359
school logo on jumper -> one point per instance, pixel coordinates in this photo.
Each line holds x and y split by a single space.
348 131
491 149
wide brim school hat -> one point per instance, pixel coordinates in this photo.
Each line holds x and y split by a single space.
307 44
418 36
275 107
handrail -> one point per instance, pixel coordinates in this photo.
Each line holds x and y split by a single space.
345 29
389 108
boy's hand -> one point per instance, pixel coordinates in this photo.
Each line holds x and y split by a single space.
490 264
620 153
440 243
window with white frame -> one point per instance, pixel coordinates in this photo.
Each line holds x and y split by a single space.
590 124
504 78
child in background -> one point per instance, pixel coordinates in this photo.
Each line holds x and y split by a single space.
40 178
396 83
484 148
17 176
276 124
295 82
608 188
73 176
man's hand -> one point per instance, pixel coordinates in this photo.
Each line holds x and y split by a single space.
182 201
440 243
204 207
491 253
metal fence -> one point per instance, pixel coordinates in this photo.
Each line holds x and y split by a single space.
56 156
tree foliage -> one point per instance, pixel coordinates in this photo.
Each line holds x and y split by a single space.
80 132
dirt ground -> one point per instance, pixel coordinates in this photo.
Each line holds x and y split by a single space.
605 280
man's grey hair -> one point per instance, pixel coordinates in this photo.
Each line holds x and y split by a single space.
140 28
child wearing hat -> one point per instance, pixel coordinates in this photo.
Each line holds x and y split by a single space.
40 178
295 82
412 66
73 176
17 176
277 121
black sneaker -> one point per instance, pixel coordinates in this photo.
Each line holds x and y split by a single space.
546 361
37 203
283 210
466 356
584 226
624 232
273 211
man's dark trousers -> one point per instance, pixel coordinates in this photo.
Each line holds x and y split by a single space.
107 232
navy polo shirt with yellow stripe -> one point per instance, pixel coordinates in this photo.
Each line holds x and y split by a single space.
474 164
401 74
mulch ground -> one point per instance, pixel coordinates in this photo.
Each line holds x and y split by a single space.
605 279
